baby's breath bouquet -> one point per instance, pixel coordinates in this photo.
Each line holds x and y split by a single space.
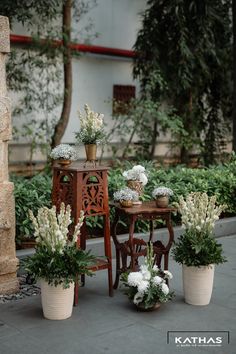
147 287
126 194
63 152
57 258
91 127
197 246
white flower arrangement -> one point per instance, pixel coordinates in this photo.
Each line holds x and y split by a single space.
51 229
63 151
126 194
137 173
91 127
199 212
148 285
161 192
57 259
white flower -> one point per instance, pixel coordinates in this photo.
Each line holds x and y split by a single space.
143 286
165 288
126 194
137 173
134 278
155 267
138 297
168 274
63 151
146 275
162 191
157 280
143 179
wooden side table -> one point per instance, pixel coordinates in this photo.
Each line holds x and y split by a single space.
136 247
85 189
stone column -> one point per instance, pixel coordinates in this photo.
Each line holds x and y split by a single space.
8 260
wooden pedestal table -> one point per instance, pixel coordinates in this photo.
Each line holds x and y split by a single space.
136 247
86 189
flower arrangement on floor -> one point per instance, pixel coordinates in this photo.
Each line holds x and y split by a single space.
197 247
126 195
148 287
137 173
64 152
57 259
91 127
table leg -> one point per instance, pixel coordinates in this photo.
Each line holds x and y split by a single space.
117 246
131 236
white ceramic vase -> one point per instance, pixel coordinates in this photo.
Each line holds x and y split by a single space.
57 302
198 284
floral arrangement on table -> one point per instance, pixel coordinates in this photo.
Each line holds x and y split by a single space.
57 260
64 152
91 127
126 194
148 287
136 173
162 192
197 246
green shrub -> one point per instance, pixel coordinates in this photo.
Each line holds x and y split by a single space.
30 193
219 180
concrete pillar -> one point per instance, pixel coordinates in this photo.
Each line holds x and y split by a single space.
8 260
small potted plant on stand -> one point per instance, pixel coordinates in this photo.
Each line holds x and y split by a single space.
57 261
161 196
91 132
136 179
196 249
64 154
147 288
126 197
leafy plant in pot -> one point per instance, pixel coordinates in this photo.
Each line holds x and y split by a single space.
136 179
197 250
57 260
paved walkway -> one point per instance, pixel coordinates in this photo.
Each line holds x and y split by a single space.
104 325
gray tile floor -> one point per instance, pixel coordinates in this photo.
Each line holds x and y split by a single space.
101 324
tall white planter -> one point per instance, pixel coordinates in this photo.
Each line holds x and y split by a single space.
198 284
57 302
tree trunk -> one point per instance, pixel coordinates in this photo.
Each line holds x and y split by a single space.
234 75
67 66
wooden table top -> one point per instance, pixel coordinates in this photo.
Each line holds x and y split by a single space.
148 207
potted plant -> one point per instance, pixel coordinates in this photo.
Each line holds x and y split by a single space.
161 196
147 288
57 260
126 197
91 132
197 250
64 154
136 178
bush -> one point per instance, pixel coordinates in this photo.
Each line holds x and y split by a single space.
219 180
30 193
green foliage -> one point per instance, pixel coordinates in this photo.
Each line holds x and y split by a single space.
197 250
31 194
187 45
58 268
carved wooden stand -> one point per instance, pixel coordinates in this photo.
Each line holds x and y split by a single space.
85 189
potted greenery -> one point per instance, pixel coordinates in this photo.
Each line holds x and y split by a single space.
197 250
161 196
57 260
91 132
147 288
136 179
64 154
126 197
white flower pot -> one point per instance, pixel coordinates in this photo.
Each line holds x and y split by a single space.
198 284
57 302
